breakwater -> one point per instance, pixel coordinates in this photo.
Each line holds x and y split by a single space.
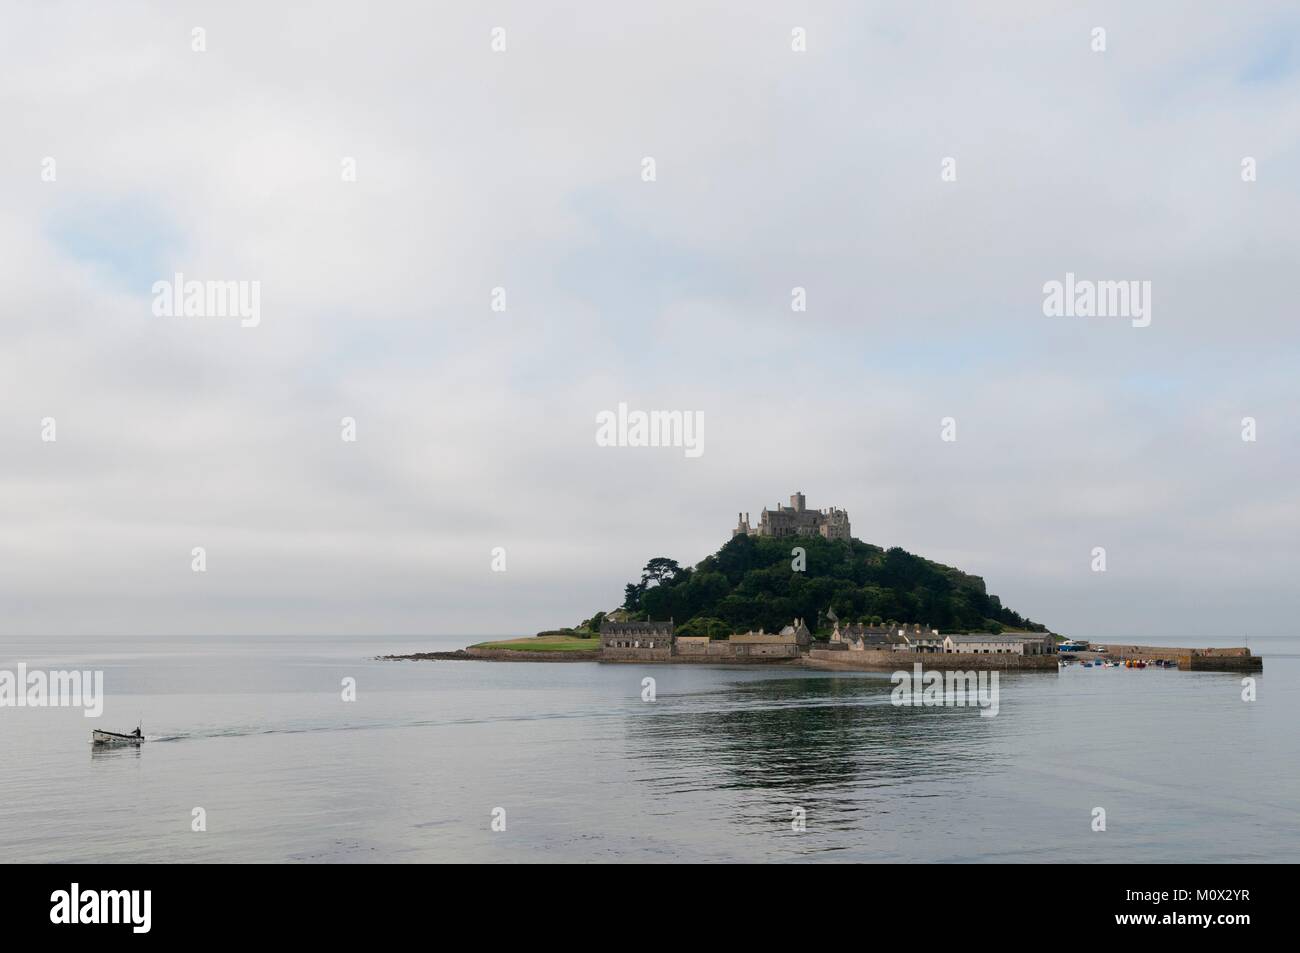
876 660
1237 659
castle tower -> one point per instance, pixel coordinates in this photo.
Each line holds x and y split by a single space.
795 520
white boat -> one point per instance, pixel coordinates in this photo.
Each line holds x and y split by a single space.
113 738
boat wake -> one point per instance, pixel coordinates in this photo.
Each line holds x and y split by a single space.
252 731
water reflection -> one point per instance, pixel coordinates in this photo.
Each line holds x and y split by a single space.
107 752
833 745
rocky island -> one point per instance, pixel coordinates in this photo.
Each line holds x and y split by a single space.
796 588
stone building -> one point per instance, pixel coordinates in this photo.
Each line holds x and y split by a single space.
643 641
703 648
765 644
691 644
986 643
792 641
861 636
800 632
922 638
890 638
795 520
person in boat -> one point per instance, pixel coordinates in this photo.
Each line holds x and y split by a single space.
137 733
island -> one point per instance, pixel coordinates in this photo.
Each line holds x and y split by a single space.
796 588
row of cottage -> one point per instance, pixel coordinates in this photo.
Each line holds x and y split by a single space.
649 641
919 638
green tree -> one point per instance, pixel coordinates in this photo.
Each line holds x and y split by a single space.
659 569
749 583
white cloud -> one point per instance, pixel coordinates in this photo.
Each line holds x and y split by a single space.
521 170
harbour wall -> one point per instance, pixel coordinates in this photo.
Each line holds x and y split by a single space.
1225 663
707 659
726 651
1236 659
875 660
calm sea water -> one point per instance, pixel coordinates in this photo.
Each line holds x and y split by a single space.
254 731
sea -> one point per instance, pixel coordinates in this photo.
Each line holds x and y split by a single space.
313 750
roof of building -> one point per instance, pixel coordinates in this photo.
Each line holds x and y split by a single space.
871 634
990 637
888 638
763 637
636 628
861 628
910 628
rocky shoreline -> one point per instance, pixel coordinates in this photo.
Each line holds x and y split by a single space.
427 657
494 655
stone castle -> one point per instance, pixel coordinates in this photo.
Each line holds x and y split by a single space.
796 520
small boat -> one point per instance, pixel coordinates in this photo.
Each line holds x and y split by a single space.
113 738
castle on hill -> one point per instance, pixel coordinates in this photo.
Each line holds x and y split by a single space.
795 520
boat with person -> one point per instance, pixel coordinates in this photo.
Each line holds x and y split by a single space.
98 737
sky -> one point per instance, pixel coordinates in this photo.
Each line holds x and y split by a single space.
522 169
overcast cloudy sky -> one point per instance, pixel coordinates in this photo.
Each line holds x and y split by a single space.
522 169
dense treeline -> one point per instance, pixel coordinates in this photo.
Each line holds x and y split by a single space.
751 583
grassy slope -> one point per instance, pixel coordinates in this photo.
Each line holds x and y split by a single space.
544 643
